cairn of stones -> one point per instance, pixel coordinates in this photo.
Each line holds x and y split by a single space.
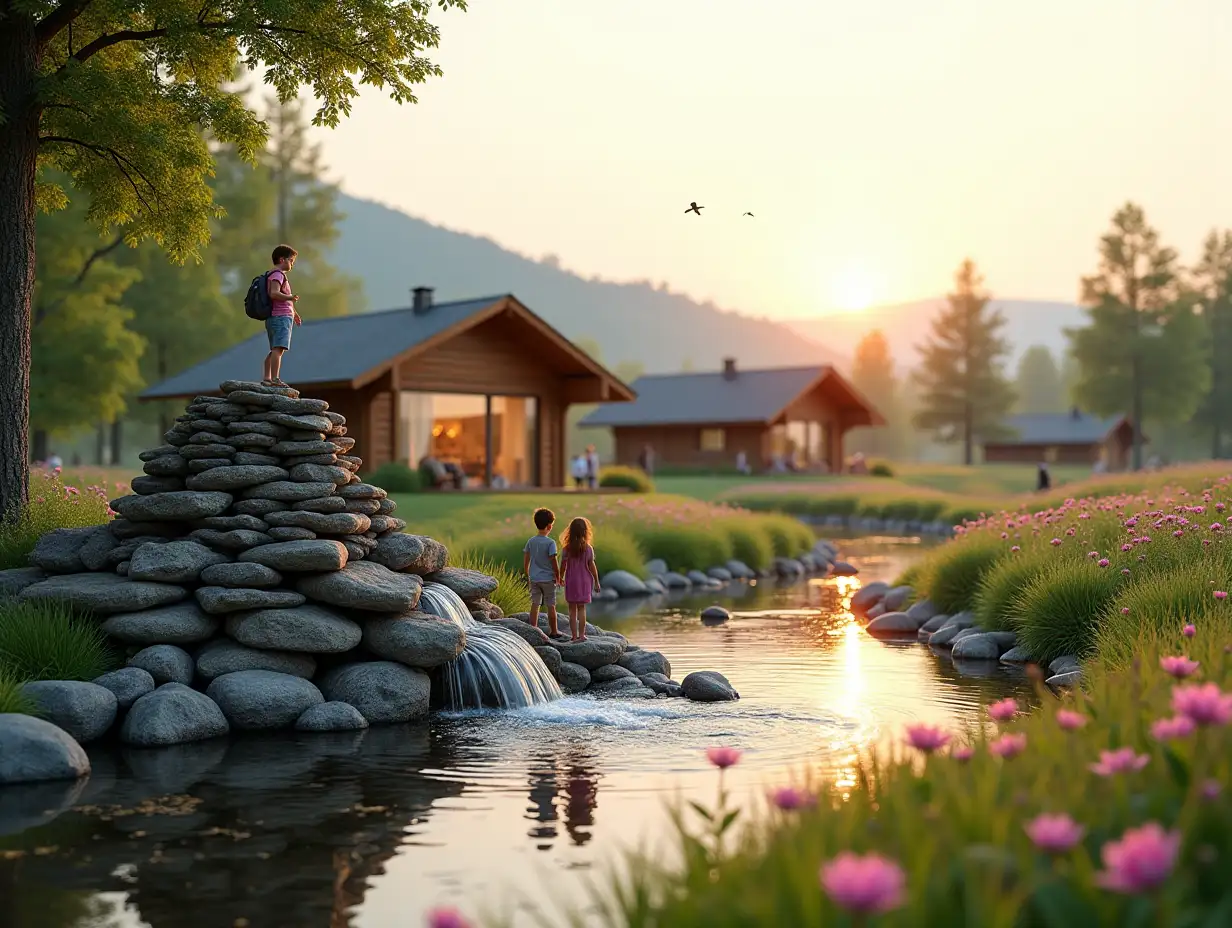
253 580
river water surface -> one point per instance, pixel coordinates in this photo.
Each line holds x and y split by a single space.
518 813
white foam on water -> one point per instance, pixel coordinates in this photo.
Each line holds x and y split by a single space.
579 711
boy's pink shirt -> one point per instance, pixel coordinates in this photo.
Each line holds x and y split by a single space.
281 307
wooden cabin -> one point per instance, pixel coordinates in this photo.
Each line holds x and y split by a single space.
1072 437
483 384
779 418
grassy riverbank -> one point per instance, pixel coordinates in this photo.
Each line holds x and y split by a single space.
1140 830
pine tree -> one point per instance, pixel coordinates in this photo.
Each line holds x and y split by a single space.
1142 352
1038 382
1212 281
872 373
963 392
117 96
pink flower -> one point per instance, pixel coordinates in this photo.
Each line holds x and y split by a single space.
1055 834
1055 542
723 757
789 798
1140 861
962 753
1103 562
446 918
1092 554
1122 760
1179 666
871 883
1004 710
1181 726
1221 594
1211 790
1126 547
1015 549
1008 745
1189 631
1205 704
926 738
1069 720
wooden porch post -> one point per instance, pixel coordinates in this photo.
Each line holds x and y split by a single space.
487 441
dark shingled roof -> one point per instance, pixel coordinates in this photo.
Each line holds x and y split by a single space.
325 350
1061 428
671 399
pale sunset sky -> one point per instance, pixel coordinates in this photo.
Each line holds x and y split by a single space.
878 142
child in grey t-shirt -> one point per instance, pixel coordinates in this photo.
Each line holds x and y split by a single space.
542 568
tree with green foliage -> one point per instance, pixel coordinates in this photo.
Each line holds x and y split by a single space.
1142 352
1211 280
963 393
1038 383
118 96
872 373
84 358
284 198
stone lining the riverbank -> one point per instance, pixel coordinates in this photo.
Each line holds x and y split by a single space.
888 615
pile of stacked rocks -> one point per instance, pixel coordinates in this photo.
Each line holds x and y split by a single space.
893 612
254 581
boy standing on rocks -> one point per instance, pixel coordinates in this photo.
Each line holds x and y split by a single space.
542 570
282 314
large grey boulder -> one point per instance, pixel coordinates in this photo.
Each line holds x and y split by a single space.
596 651
33 750
660 684
181 623
309 628
299 556
416 640
221 600
364 585
240 576
643 662
1066 663
172 561
868 594
332 523
16 579
165 663
893 625
722 574
897 597
936 623
468 584
234 477
740 570
674 581
84 710
331 716
59 551
361 491
573 678
947 635
531 634
707 686
176 506
416 554
95 553
788 567
922 610
288 491
222 656
320 473
173 714
611 673
656 567
624 583
383 691
976 648
233 541
551 659
262 699
715 615
128 684
104 594
843 569
1017 655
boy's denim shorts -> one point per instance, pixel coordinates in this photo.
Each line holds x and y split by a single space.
542 593
278 328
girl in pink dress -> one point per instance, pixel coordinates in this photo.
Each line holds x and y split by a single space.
581 575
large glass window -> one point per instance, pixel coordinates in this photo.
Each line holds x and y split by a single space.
453 429
713 439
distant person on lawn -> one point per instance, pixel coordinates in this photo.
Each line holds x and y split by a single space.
542 569
282 314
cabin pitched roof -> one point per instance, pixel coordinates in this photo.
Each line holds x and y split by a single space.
352 349
714 398
1062 428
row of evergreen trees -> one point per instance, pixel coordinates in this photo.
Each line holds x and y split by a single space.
1155 348
109 320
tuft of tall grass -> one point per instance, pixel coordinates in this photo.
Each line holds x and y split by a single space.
751 542
617 549
512 593
952 575
996 603
958 830
790 536
684 546
12 699
52 505
1059 609
47 641
629 478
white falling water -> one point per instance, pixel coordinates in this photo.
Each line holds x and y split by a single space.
495 665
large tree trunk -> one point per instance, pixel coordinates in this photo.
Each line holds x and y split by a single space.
19 66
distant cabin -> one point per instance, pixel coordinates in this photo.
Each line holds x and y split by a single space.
705 420
483 384
1072 437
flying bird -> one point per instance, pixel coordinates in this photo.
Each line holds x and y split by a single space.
694 208
750 215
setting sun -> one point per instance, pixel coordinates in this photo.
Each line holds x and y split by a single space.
854 290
